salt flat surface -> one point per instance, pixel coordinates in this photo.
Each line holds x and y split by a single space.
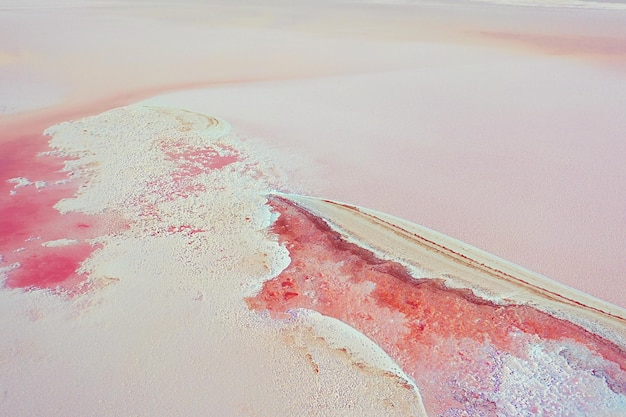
499 125
462 350
163 328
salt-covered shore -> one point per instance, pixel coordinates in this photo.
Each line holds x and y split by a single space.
155 322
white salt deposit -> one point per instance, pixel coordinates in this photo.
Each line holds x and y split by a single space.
59 242
547 375
165 329
19 182
363 349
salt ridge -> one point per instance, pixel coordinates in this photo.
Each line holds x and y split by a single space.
193 197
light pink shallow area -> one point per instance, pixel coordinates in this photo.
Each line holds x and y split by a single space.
501 127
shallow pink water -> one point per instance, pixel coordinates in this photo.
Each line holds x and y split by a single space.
28 219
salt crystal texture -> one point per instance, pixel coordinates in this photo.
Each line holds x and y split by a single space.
161 326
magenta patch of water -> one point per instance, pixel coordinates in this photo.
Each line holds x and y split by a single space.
30 185
51 267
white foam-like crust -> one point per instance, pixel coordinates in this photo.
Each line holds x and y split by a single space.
59 242
25 182
551 371
19 182
125 142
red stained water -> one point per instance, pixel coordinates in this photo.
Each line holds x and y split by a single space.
28 219
448 340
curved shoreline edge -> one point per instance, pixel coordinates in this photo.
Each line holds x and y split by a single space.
469 343
465 266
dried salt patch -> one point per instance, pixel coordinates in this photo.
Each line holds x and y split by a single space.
59 242
19 182
362 348
24 182
217 210
196 245
9 268
133 178
526 387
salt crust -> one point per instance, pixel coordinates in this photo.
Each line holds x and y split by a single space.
173 334
340 335
550 373
59 242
